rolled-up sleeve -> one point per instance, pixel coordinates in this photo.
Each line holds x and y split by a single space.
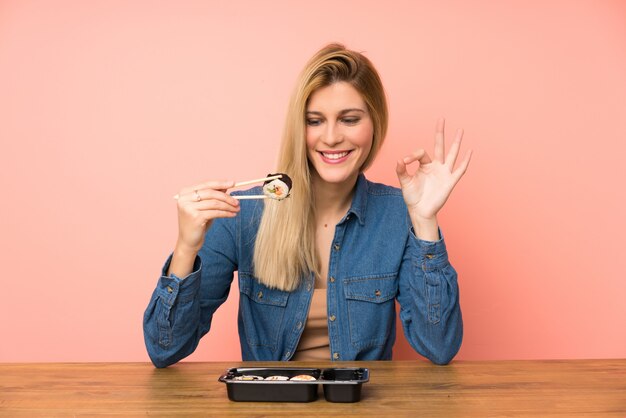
180 310
428 295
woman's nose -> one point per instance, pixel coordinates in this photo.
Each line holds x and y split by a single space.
332 135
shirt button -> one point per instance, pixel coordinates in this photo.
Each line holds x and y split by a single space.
287 354
299 325
308 287
335 356
332 317
169 289
430 256
260 295
348 217
377 292
337 247
332 279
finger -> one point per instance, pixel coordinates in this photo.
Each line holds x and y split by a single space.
440 148
462 168
222 214
213 184
420 155
403 176
214 204
208 194
216 185
454 150
202 218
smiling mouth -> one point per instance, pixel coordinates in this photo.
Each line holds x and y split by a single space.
334 156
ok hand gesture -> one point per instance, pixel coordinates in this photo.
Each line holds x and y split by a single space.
426 191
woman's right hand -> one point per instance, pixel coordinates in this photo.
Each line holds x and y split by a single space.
197 207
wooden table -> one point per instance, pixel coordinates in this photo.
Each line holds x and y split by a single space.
398 388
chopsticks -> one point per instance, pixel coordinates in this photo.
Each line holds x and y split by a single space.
256 196
247 182
249 197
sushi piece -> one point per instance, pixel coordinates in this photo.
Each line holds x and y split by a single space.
247 377
278 188
276 378
303 377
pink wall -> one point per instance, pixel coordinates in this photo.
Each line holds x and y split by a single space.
107 108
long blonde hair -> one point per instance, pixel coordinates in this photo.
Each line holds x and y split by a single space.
285 247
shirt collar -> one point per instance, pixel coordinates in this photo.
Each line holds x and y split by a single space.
359 201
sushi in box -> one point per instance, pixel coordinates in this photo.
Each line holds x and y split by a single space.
293 384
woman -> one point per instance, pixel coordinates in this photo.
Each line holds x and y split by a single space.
319 272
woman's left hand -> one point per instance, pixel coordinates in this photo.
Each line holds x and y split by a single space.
426 191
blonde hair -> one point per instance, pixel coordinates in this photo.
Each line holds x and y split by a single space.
285 247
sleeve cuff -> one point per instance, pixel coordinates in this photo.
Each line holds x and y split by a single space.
170 288
431 255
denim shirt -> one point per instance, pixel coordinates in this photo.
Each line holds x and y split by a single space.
375 259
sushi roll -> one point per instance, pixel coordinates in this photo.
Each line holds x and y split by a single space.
277 189
247 377
276 378
303 378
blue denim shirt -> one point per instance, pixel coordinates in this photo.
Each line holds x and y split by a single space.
375 259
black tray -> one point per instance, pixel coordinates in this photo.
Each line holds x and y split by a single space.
340 384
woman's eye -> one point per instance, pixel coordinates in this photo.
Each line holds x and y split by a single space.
351 121
313 122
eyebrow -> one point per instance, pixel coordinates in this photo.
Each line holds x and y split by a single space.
341 112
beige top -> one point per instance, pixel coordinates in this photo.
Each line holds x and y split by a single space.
314 343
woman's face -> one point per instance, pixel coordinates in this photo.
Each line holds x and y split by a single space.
339 132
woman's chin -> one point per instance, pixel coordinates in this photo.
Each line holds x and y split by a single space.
336 177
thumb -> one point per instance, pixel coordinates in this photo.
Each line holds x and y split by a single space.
403 176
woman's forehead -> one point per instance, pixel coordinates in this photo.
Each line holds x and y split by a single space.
335 98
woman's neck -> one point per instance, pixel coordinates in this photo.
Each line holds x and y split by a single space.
332 200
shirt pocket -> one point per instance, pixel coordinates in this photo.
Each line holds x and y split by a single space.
371 309
262 310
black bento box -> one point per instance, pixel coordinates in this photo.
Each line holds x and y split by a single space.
340 384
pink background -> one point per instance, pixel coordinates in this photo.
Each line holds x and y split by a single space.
107 108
